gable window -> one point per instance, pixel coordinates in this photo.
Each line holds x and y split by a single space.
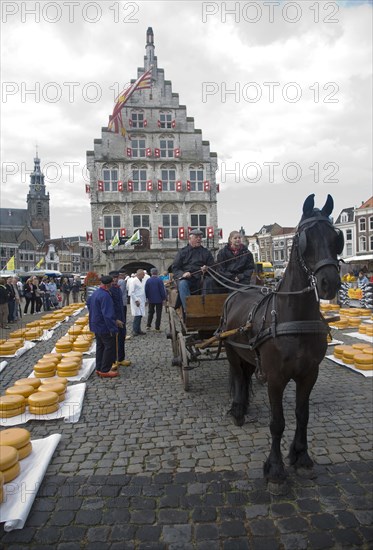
111 226
196 180
166 147
139 180
168 179
165 120
362 224
170 224
344 217
137 120
110 180
199 221
138 148
141 220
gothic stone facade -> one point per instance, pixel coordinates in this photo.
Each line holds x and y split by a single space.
159 178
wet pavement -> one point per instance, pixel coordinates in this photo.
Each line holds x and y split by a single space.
149 466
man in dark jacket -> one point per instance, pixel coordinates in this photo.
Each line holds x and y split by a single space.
116 293
103 322
190 265
155 294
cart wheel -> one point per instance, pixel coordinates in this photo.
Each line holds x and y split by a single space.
173 332
183 361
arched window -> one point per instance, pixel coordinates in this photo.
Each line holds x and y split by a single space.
168 177
111 220
196 177
137 119
198 218
139 177
110 177
362 244
141 216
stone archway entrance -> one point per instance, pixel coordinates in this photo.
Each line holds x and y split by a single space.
132 267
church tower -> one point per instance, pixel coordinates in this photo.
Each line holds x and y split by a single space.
38 201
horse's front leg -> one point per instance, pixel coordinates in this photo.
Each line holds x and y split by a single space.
298 455
274 470
240 384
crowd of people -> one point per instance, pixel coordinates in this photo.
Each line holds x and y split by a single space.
34 295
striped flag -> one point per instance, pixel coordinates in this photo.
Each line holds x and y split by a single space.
134 239
115 122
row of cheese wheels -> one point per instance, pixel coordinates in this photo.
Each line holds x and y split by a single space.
78 337
15 445
359 355
40 397
34 329
354 322
61 364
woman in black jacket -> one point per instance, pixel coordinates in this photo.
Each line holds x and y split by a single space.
236 262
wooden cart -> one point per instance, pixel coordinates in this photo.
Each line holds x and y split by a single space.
190 335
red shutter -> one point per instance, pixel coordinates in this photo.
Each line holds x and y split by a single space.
189 229
179 185
148 152
87 188
218 187
149 185
206 185
173 124
188 185
129 152
100 185
160 185
158 123
181 233
130 185
160 233
210 232
89 236
145 123
122 232
157 152
101 235
120 185
220 232
177 152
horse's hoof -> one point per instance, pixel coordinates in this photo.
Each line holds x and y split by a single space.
239 421
306 473
278 489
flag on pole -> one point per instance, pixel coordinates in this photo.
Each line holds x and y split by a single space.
40 263
11 265
115 121
115 241
134 239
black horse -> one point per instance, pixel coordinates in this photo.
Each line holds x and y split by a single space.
288 338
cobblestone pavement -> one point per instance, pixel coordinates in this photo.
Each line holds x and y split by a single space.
149 466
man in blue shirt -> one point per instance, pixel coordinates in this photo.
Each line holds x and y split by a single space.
156 295
103 322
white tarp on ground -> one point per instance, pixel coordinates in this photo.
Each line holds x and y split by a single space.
360 336
19 494
366 373
69 410
85 371
20 351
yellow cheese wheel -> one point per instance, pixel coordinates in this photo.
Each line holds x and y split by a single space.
47 361
360 346
20 390
8 348
41 399
35 382
18 342
15 437
12 472
8 457
63 347
68 366
339 349
44 409
25 451
59 380
364 358
20 333
68 374
9 402
54 356
81 347
349 353
57 387
49 374
362 329
13 412
46 365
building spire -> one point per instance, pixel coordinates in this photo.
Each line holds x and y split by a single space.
150 59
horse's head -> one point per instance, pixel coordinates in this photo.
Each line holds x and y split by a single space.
319 244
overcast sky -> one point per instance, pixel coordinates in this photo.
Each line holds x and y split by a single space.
282 90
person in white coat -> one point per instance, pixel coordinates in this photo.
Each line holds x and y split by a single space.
137 301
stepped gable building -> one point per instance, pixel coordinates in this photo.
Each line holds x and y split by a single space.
23 231
154 173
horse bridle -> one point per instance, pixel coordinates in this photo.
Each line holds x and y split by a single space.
301 237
